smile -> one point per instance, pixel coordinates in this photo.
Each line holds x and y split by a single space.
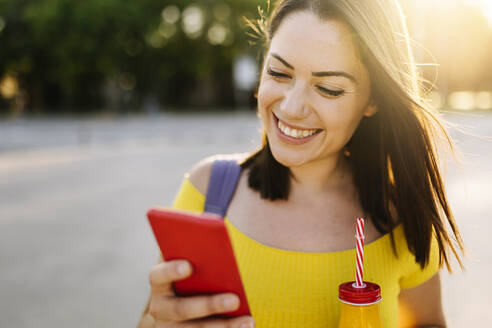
294 135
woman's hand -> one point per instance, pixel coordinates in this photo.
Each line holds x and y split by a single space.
168 310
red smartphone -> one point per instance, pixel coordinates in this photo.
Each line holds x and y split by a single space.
202 239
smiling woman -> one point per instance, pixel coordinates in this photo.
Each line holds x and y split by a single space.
351 78
367 102
345 135
326 93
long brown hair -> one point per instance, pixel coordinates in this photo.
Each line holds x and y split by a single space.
393 153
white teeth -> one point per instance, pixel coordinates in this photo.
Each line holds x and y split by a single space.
299 134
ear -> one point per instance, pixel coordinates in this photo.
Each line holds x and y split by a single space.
371 109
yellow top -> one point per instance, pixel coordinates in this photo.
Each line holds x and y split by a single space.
300 289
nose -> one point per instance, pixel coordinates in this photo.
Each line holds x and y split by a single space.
294 103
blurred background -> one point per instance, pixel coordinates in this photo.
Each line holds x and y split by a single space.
104 105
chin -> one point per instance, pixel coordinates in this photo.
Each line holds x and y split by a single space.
287 157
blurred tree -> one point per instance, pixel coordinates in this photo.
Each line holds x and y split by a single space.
65 56
85 55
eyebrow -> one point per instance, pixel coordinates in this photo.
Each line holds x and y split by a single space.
317 74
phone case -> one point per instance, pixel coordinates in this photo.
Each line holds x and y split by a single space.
203 240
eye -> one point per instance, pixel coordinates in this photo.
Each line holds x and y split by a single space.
334 93
277 74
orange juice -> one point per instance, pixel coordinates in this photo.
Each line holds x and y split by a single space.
359 305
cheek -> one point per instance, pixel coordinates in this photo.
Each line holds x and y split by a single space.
268 91
335 114
340 118
268 94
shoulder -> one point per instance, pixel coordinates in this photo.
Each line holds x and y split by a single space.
199 174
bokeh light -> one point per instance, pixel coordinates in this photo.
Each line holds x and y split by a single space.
245 72
156 40
464 100
9 87
170 14
217 34
193 21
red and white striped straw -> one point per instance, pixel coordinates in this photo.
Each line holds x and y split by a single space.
359 282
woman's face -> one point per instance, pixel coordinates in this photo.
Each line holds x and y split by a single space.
314 90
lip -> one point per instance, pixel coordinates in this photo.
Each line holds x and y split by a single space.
289 139
293 126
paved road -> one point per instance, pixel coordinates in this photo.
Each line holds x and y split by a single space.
75 248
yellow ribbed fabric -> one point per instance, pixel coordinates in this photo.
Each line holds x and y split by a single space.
292 289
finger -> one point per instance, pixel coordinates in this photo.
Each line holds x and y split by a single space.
239 322
163 274
172 308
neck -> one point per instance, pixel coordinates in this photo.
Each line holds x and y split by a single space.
319 177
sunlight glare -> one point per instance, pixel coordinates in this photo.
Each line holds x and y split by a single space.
485 6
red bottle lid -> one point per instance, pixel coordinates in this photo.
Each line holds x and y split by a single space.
369 294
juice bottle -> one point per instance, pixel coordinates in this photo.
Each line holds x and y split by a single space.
359 305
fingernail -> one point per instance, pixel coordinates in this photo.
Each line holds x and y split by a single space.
182 269
231 302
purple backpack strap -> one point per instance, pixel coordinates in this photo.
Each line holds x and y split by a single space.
221 187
